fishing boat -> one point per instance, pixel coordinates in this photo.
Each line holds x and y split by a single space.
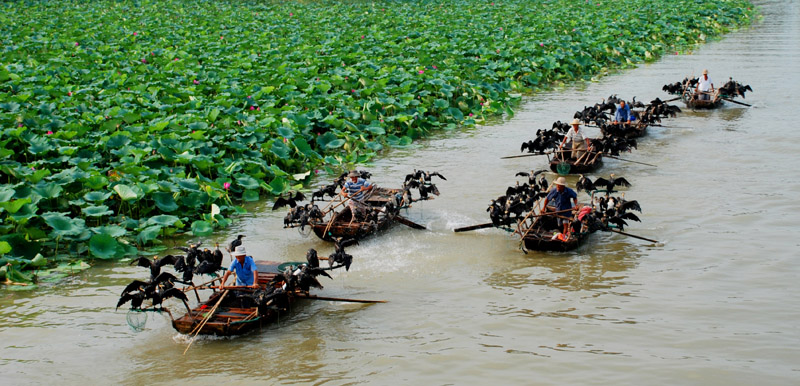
232 312
341 224
692 102
542 233
634 130
563 164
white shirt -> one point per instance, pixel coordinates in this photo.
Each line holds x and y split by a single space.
575 136
703 84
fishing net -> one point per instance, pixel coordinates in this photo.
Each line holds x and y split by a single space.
563 168
136 319
304 231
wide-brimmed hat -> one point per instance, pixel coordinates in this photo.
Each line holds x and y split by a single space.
354 174
705 72
240 251
561 181
575 121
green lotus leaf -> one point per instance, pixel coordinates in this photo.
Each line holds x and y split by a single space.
286 132
6 193
97 211
26 212
163 220
165 201
110 230
247 182
5 247
188 184
96 182
250 195
280 150
103 246
63 225
148 234
48 191
279 185
202 228
128 193
38 261
374 146
14 206
194 199
118 141
96 196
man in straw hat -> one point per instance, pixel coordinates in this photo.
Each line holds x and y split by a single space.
561 196
580 142
356 189
244 267
704 85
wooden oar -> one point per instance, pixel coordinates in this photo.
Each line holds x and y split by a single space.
205 320
738 103
627 160
315 297
524 155
407 222
671 100
474 227
634 236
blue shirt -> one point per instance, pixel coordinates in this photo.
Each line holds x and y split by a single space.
623 114
244 273
562 199
353 187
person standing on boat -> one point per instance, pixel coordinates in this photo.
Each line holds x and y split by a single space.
562 197
580 142
704 86
356 189
623 114
244 267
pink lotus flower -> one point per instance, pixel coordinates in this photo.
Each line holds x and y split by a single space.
69 93
291 14
33 168
362 36
541 44
501 28
470 114
77 44
252 107
176 59
434 67
195 81
49 132
226 185
144 60
135 34
249 97
20 125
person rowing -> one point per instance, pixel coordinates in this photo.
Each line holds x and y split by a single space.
580 142
562 197
704 88
623 114
356 189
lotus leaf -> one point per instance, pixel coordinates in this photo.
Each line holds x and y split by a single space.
163 220
96 196
148 234
165 201
128 193
250 195
97 211
110 230
63 225
202 228
103 246
5 247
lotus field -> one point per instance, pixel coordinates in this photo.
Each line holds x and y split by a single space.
125 122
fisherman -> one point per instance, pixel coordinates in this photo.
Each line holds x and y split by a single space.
580 142
356 189
561 197
623 114
704 85
244 267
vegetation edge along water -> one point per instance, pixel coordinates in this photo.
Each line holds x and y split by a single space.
127 122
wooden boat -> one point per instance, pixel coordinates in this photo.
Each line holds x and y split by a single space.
235 314
637 129
691 101
543 234
563 164
340 225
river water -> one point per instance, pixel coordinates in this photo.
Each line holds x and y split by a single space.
715 302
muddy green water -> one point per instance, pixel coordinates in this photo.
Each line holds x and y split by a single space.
714 304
